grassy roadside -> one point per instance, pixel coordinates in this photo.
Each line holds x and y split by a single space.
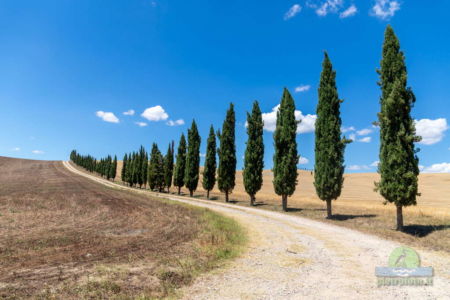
219 240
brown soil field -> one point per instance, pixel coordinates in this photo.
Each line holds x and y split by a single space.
65 235
360 207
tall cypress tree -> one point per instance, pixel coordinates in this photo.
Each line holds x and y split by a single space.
153 168
142 167
180 166
329 145
285 158
254 153
227 154
168 167
399 164
192 159
124 168
114 168
209 170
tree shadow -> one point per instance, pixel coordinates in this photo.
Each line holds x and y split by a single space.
293 209
233 201
423 230
259 204
214 198
341 217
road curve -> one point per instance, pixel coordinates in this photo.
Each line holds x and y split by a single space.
290 257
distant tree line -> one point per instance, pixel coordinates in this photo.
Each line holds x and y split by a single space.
105 167
398 160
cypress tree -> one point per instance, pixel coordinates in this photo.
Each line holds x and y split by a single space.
254 153
180 166
285 158
152 168
141 167
192 159
114 168
329 145
227 154
399 164
209 170
168 167
124 168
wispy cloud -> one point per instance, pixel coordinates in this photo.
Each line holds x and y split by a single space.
375 163
155 113
351 11
303 160
384 9
329 6
175 123
107 116
358 167
365 131
431 131
292 12
15 149
302 88
141 124
347 129
37 152
129 112
438 168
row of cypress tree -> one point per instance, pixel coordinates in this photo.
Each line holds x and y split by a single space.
398 160
105 167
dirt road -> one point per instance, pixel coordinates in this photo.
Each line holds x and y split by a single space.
295 258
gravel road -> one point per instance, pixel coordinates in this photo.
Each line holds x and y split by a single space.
290 257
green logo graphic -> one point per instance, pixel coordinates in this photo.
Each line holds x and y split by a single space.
404 257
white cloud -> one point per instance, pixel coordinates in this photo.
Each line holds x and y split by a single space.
175 123
347 129
307 122
15 149
302 88
438 168
141 124
37 152
375 163
431 131
202 154
358 167
384 9
329 6
351 11
292 12
421 168
107 116
366 139
129 112
303 160
155 113
365 131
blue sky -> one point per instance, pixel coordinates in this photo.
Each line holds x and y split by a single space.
70 69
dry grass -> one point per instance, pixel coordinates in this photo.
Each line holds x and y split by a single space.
359 207
66 237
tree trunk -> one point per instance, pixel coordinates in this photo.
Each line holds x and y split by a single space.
179 190
329 214
207 194
399 218
191 193
284 201
252 200
168 190
226 196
